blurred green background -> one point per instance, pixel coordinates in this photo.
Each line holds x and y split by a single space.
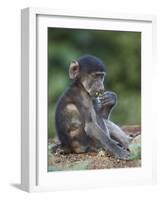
121 53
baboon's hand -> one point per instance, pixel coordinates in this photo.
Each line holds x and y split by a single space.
108 98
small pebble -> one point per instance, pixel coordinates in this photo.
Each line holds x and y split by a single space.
101 153
57 160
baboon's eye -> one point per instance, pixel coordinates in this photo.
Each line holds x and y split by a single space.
98 75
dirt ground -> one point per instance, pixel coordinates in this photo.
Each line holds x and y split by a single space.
99 160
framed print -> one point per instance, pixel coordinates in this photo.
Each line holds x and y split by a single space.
85 102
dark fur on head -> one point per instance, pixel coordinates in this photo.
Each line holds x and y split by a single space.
90 64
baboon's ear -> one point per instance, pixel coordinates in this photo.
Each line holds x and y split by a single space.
74 69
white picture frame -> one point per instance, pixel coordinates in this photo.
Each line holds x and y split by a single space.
34 175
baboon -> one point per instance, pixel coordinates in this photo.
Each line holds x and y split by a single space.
83 112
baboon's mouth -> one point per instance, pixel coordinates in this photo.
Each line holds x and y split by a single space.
98 94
